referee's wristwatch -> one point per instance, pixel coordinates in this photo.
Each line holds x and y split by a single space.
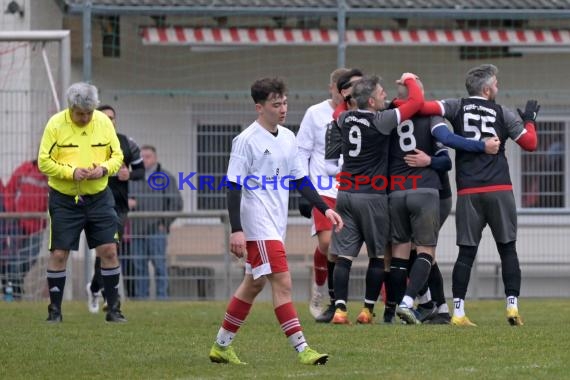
105 171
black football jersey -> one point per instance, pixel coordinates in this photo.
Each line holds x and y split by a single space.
333 142
365 144
411 134
476 118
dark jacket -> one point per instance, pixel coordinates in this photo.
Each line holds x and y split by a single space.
148 199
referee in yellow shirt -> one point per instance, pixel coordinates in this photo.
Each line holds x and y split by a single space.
78 151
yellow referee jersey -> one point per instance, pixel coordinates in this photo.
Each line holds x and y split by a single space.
65 147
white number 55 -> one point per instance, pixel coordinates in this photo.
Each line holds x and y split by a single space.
471 122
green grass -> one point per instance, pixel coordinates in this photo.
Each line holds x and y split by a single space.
167 340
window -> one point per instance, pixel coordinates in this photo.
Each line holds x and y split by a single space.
542 172
214 143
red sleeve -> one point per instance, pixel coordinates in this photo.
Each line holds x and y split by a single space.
2 195
431 108
414 102
339 109
528 140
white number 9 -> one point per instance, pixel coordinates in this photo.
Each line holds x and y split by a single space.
355 137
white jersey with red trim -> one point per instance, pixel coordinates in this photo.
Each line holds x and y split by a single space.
311 141
264 165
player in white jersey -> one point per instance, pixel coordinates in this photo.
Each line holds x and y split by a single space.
264 162
311 142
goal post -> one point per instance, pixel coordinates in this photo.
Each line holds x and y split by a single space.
64 67
35 72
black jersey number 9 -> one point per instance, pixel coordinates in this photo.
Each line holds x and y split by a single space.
355 138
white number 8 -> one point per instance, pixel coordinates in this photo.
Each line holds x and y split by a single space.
407 140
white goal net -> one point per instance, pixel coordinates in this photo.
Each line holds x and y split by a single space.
34 72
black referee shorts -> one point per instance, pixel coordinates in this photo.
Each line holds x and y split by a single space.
93 213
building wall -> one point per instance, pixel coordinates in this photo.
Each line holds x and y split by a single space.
162 92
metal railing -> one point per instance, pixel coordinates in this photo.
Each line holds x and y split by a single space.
199 267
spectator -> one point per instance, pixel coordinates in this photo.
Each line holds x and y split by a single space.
149 235
132 169
26 191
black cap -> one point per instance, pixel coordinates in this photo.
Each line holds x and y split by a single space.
343 81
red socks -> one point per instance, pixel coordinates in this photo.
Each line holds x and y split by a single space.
236 313
320 267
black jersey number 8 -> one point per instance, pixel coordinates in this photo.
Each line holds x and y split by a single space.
406 139
471 122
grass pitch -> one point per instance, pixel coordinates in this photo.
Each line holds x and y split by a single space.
171 340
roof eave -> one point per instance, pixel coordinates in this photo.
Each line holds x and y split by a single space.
434 13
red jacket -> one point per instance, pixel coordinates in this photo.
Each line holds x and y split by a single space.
27 191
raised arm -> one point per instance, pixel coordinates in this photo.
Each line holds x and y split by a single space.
415 98
528 139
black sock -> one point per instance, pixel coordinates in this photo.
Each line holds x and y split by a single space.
390 304
424 288
398 277
462 271
341 277
510 268
435 282
428 305
56 285
330 279
419 274
374 280
111 284
412 259
390 296
96 281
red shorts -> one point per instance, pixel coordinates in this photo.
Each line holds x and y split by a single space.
320 222
265 257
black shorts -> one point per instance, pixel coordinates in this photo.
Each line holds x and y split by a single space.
122 221
93 213
474 211
414 216
444 210
366 220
